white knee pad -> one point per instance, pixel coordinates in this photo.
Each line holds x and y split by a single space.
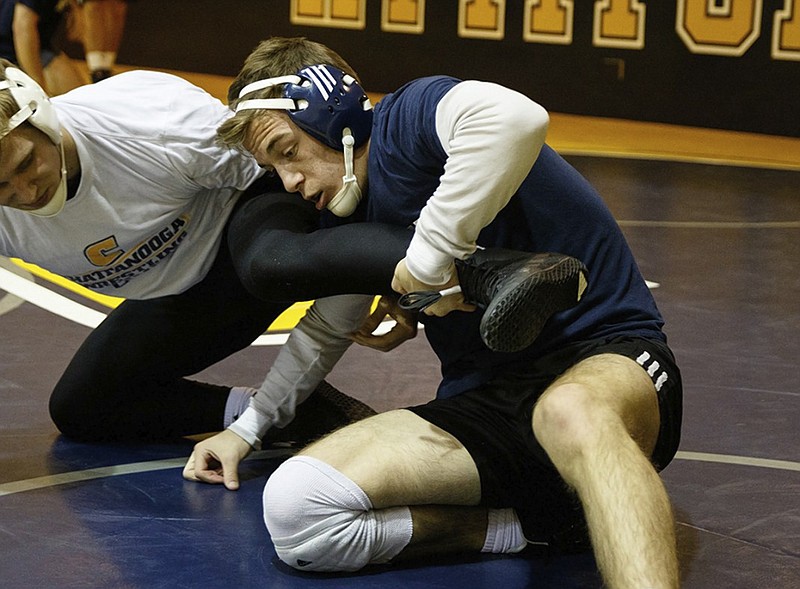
320 520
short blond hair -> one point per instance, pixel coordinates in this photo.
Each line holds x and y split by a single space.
277 56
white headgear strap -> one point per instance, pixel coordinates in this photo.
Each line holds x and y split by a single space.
344 203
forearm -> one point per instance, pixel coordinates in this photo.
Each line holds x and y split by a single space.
27 44
312 350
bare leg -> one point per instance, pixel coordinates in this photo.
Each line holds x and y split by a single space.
445 529
411 462
104 25
598 423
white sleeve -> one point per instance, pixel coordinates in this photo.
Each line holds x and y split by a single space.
314 346
492 136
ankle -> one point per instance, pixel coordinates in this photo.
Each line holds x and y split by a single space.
238 401
503 532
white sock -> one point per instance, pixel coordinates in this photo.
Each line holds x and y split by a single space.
100 60
238 401
503 532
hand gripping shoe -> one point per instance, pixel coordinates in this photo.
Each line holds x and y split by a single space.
519 291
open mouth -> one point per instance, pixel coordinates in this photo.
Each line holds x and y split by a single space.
40 202
319 200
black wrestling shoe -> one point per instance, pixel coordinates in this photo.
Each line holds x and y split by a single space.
99 75
573 539
565 531
325 410
519 291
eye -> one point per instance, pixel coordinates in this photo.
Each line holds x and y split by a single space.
26 163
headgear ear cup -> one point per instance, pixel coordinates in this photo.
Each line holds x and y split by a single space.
27 93
330 101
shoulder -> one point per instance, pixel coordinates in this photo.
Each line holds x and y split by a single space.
418 98
157 87
154 83
38 6
45 9
144 98
430 88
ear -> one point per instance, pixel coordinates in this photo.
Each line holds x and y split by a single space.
34 104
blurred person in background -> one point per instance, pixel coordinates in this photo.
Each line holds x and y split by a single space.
29 37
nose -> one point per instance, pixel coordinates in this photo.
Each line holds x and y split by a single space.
292 181
25 190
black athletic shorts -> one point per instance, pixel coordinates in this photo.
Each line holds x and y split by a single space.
493 422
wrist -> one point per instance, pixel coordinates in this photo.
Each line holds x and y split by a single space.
251 426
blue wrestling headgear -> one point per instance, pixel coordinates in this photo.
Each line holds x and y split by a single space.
322 100
329 105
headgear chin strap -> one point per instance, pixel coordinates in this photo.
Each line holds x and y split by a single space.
35 108
329 105
344 203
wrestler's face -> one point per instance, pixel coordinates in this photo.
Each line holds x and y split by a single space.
304 164
30 169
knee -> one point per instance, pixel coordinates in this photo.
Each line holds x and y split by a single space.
75 413
308 516
266 242
565 424
265 267
319 520
64 410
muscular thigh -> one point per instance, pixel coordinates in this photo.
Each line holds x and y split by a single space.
614 385
398 458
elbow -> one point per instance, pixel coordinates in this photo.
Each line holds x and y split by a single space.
535 124
524 123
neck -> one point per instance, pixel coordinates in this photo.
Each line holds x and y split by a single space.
71 159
